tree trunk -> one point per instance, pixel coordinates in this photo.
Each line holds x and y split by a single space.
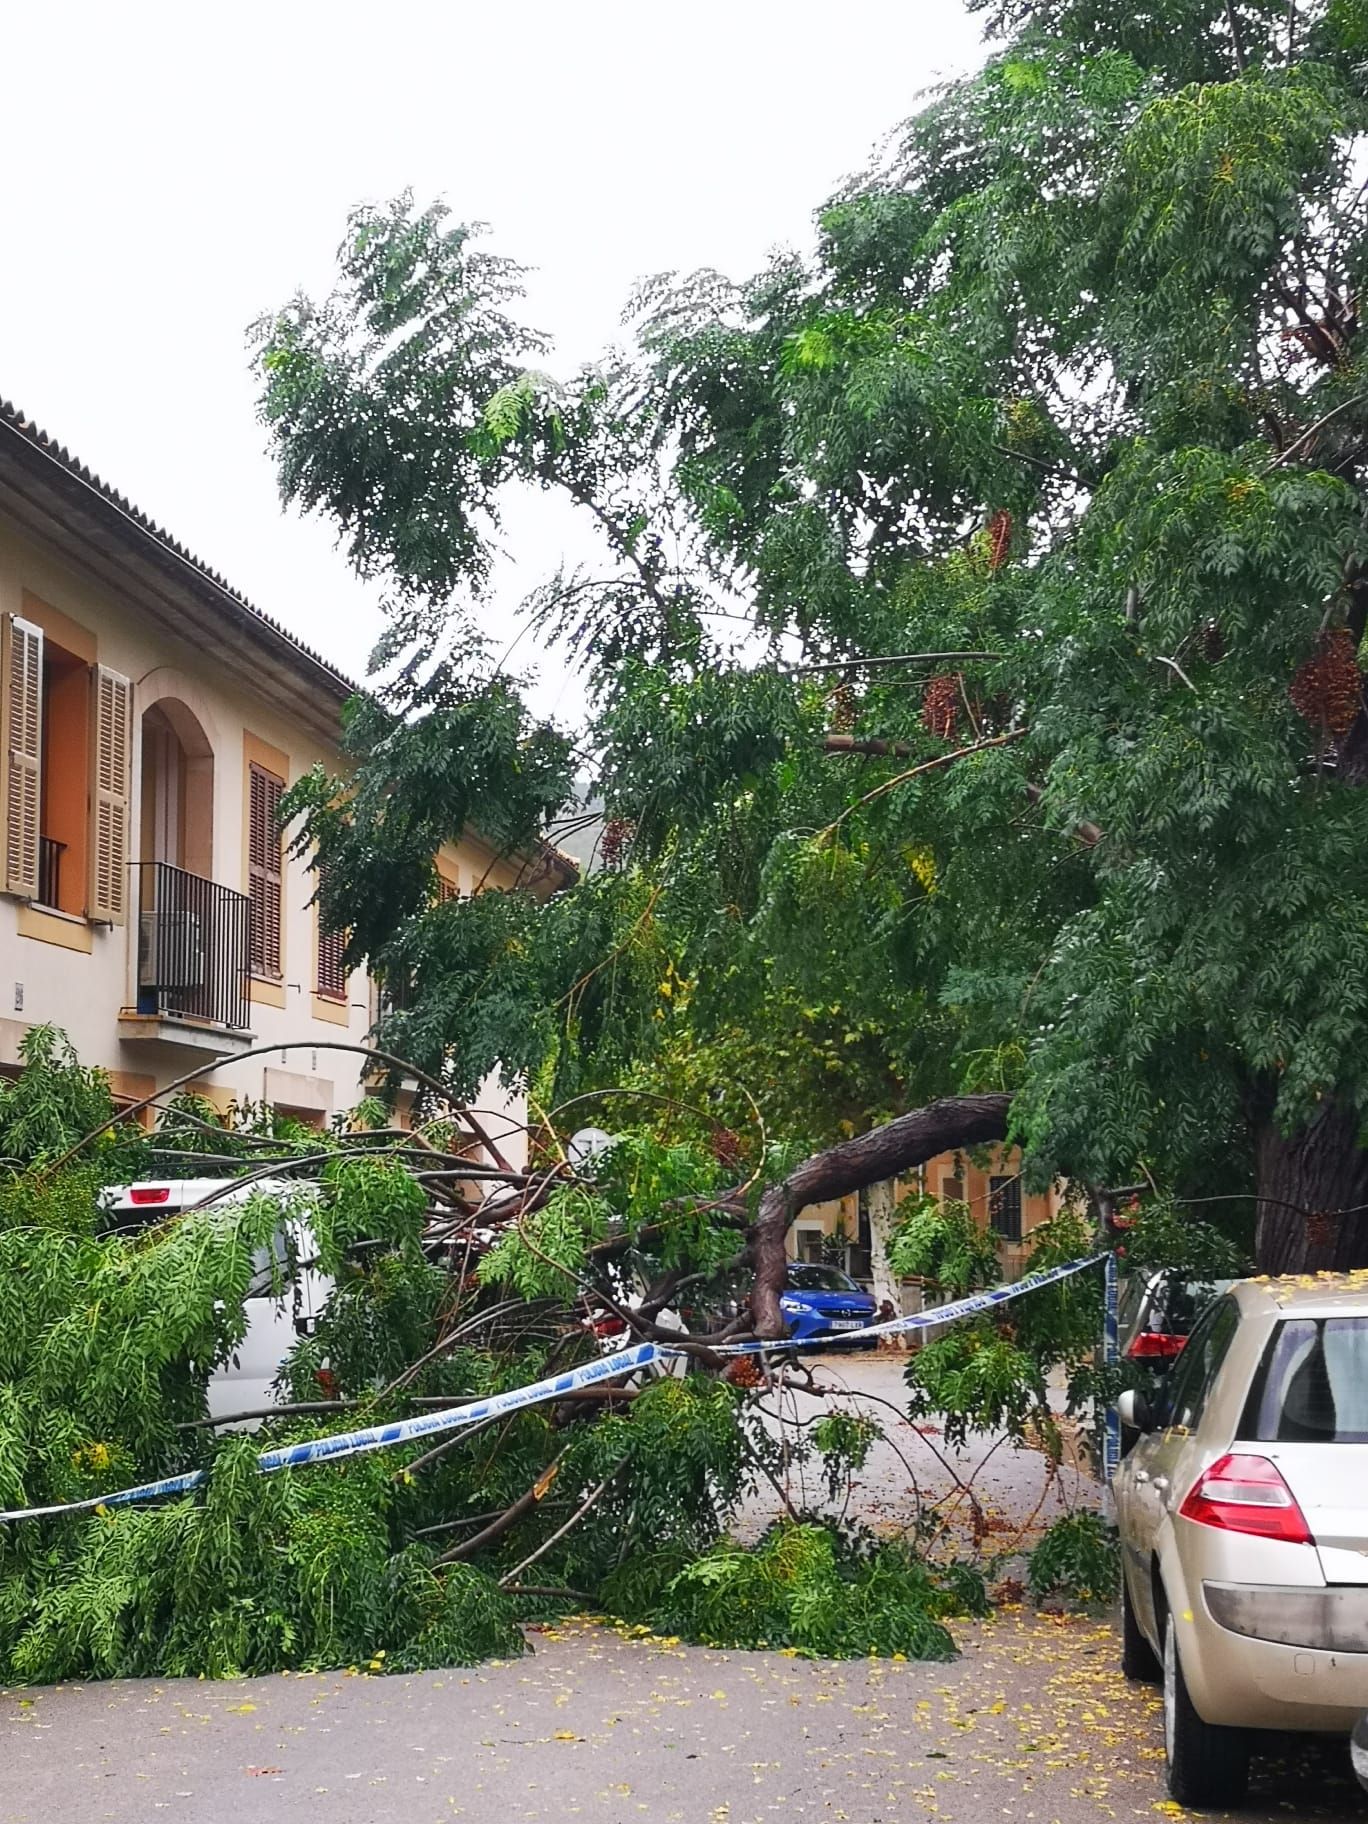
882 1153
883 1210
1311 1190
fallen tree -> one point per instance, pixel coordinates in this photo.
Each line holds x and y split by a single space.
420 1555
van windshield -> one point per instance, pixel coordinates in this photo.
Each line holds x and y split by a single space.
1315 1387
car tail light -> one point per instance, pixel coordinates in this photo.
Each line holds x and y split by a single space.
1247 1495
608 1326
150 1193
1154 1346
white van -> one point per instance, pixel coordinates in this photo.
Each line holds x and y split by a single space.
275 1319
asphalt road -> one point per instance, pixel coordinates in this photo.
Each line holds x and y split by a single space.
1033 1722
911 1467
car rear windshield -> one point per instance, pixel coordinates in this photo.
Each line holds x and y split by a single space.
1314 1387
809 1278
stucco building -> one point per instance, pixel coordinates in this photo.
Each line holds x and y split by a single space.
150 719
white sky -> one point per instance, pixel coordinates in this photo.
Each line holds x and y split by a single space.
173 171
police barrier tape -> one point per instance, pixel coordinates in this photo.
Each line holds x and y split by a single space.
606 1367
925 1320
375 1437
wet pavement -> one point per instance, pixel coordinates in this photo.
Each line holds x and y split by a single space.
1032 1722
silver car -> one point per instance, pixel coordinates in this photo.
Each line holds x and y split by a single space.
1243 1513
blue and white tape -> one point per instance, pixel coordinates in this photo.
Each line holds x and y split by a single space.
605 1368
375 1437
972 1306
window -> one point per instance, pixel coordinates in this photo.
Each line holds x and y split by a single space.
448 888
264 868
952 1190
1315 1387
1004 1207
1197 1367
64 773
332 975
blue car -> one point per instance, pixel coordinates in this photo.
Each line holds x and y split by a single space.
823 1301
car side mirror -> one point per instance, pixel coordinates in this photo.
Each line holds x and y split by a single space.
1135 1411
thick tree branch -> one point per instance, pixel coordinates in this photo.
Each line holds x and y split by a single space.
885 1151
508 1519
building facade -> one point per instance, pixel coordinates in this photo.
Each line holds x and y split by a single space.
988 1182
150 720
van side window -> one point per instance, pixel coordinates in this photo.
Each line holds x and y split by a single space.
1197 1367
270 1269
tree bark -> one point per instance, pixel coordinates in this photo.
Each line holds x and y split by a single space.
883 1209
882 1153
1311 1190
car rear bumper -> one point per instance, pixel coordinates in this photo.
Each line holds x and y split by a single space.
1332 1620
1241 1680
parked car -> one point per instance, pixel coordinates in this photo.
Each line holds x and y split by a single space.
627 1286
1157 1310
1358 1749
1243 1514
823 1301
284 1298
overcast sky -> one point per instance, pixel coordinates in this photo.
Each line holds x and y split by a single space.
173 171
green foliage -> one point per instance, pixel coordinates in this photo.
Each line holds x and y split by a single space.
991 1374
552 1248
942 1243
56 1101
1166 1234
844 1441
1079 1555
1072 388
810 1589
289 1569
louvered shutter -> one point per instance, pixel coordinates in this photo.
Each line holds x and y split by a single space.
447 890
111 766
264 870
21 676
332 977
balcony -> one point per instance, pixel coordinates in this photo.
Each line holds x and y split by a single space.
192 962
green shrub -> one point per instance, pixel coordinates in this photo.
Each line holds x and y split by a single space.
820 1592
1079 1555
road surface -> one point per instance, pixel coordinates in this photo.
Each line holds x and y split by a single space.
1032 1722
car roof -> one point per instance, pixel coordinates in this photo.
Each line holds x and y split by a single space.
1305 1294
181 1191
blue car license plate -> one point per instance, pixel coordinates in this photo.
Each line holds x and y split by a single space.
847 1323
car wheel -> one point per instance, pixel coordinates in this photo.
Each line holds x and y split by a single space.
1208 1766
1138 1658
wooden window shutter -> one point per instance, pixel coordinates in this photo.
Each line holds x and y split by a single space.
111 767
332 976
21 712
264 870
